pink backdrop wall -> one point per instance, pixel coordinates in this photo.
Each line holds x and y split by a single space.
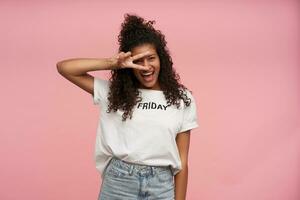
240 58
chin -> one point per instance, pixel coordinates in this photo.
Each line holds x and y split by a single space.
149 85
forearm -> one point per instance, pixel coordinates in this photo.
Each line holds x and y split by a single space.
79 66
181 180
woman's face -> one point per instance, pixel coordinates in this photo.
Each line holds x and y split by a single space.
148 79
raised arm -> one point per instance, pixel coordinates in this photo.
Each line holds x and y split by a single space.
75 70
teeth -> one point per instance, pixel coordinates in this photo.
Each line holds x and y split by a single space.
145 74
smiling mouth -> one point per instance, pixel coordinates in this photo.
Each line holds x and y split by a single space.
144 74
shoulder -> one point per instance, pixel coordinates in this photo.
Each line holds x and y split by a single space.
101 89
101 84
101 81
188 93
187 98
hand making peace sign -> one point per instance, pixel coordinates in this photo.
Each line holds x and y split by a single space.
125 60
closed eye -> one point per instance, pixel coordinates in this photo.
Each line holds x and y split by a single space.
141 60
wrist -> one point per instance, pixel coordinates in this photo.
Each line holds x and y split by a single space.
112 63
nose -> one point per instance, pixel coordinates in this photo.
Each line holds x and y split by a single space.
145 62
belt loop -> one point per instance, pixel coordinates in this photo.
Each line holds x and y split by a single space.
131 169
152 170
171 169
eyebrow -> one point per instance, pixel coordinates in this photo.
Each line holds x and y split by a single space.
149 55
145 57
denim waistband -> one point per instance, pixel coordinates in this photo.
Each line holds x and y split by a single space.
138 168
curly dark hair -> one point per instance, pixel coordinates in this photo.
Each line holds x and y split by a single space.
124 93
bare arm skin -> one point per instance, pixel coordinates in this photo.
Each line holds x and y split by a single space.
75 70
181 178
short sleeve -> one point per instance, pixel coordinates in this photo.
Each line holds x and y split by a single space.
190 119
101 88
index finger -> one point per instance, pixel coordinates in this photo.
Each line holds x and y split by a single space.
140 55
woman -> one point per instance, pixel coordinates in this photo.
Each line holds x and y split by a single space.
146 116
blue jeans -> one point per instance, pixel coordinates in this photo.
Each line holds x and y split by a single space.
129 181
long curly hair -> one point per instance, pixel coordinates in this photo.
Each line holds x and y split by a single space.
124 93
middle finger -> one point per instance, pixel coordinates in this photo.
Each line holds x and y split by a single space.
140 55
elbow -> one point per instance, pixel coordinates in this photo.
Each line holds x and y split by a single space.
59 67
184 164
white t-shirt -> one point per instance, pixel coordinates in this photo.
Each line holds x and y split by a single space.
149 137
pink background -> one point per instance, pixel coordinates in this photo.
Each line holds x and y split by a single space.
240 58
